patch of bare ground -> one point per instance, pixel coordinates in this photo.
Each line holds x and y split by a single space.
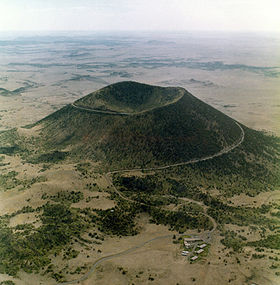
101 182
33 279
25 218
13 200
27 279
30 132
256 201
160 262
251 233
15 163
95 200
57 179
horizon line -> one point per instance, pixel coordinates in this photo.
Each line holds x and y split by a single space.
140 31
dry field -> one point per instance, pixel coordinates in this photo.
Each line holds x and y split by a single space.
158 262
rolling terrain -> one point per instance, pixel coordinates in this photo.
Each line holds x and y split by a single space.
130 171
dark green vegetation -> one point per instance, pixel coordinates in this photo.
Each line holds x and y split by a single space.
175 133
131 97
9 150
232 240
236 242
251 168
118 221
180 220
9 143
65 197
147 184
8 282
9 181
272 241
29 249
149 190
51 157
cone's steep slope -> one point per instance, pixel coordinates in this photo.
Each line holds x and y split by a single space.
180 129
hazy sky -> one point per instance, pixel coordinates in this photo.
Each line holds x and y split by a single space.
244 15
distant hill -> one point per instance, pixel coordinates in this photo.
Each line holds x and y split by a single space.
129 124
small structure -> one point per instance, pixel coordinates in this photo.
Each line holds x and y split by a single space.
200 251
203 245
194 258
187 244
184 252
192 239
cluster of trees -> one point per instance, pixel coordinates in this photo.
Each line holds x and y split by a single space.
192 208
9 150
272 241
119 220
180 220
189 186
10 181
232 240
8 282
50 157
9 142
242 216
148 190
231 174
146 184
30 250
252 168
65 196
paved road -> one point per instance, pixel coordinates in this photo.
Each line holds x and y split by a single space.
206 236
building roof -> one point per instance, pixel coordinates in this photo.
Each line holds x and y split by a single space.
192 239
200 250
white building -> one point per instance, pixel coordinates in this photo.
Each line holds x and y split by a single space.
200 251
203 245
192 239
194 258
184 252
